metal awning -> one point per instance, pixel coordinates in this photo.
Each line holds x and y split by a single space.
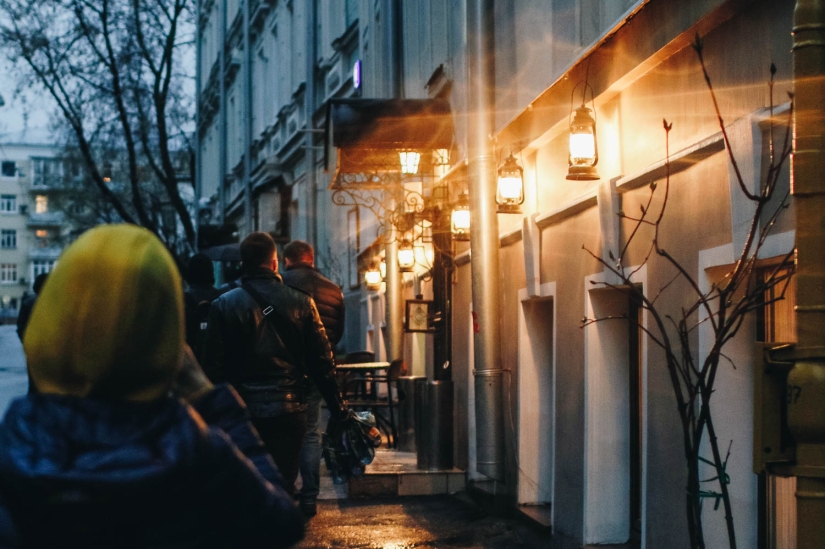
369 133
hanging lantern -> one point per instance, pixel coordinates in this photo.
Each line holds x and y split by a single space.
460 218
409 162
584 154
382 268
406 257
373 277
510 189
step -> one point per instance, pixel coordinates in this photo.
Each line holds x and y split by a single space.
394 473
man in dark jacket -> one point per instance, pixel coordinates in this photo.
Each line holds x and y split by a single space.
197 299
265 338
301 273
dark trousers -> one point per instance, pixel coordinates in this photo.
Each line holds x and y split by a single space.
282 436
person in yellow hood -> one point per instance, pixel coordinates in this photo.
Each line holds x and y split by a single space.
125 442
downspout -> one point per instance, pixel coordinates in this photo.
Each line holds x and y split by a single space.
484 240
394 316
196 156
309 104
247 119
806 415
222 120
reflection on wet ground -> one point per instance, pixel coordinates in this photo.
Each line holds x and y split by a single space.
416 522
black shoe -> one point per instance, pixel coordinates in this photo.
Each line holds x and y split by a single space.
309 509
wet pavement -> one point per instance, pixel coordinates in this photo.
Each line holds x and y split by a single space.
452 521
13 380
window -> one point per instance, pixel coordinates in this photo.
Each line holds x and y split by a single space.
8 203
41 233
8 239
41 204
9 168
40 266
8 273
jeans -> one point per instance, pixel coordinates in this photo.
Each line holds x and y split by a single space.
311 450
282 436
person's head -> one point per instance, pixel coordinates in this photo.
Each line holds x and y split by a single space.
109 323
258 250
299 251
199 270
39 280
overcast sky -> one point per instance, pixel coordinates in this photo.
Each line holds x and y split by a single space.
12 114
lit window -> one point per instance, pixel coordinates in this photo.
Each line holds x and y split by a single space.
41 233
8 238
8 203
41 204
8 273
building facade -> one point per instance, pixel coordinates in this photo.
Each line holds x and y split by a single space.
31 227
591 439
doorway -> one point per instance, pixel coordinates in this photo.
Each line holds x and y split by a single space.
536 395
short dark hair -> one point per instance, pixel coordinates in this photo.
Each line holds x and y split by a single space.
299 251
257 250
39 280
199 270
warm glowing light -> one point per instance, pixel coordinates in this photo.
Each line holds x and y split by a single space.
460 219
510 189
382 268
409 161
582 147
373 277
406 256
584 154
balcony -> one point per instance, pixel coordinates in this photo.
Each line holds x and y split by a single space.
47 219
41 183
47 253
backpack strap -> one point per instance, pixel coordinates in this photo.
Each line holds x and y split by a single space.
283 328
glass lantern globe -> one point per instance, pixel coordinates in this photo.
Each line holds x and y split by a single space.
406 257
584 154
510 188
460 218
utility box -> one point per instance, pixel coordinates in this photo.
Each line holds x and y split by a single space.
774 449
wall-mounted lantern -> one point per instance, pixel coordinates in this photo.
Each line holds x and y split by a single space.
406 256
460 218
584 154
510 188
373 277
382 267
409 161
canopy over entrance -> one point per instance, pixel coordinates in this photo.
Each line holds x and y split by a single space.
370 133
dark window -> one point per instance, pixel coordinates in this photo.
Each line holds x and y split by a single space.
9 168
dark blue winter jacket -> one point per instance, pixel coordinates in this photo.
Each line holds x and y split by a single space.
80 472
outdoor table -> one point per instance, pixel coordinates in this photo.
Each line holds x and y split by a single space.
360 369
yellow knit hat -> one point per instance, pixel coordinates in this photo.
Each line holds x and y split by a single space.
109 320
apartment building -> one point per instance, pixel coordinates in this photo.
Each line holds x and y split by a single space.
30 228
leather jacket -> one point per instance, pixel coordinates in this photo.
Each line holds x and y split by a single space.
268 360
327 295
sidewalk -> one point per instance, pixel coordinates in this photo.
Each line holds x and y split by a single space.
418 522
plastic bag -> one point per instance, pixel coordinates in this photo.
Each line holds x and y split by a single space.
349 445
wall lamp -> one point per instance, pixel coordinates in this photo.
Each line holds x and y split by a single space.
409 161
510 188
460 218
372 277
406 257
583 149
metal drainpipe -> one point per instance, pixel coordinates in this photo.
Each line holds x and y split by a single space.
309 103
222 120
484 241
806 416
197 153
394 313
247 118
